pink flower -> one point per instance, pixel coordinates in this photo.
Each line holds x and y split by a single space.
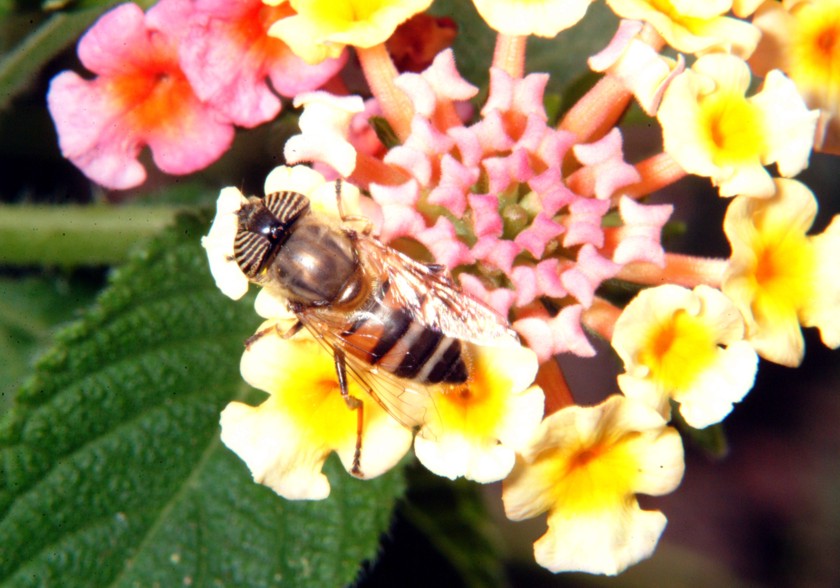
548 336
640 235
140 97
502 199
605 161
228 57
535 238
444 244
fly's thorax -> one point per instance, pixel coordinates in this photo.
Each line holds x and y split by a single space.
317 265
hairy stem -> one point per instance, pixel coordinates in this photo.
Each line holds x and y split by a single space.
509 54
380 74
76 235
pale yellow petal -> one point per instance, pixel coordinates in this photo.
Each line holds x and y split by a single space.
325 126
823 310
607 543
219 245
268 443
771 273
790 124
543 18
454 456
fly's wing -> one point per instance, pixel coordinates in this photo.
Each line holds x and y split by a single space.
406 401
433 298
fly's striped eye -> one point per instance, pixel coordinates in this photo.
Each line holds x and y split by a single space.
250 250
263 227
286 206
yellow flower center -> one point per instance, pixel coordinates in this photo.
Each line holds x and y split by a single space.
782 276
815 50
733 128
340 16
677 15
474 410
678 350
593 475
310 395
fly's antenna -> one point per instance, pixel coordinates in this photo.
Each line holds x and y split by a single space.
366 225
338 184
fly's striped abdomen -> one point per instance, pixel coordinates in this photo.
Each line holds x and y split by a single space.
391 339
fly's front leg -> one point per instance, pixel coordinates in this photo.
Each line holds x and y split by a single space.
353 403
290 332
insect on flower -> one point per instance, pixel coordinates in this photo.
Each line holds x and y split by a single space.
402 329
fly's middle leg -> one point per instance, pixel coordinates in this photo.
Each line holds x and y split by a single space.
353 403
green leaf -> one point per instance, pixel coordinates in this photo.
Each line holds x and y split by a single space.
111 468
30 308
20 66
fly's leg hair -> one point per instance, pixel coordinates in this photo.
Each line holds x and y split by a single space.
364 222
290 332
353 403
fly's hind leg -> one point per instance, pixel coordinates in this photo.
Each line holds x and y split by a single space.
353 403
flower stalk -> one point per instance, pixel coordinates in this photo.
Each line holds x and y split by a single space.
509 54
685 270
380 73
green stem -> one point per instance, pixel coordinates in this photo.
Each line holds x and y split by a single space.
76 235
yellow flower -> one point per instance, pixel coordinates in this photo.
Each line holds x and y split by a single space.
692 26
712 129
322 28
544 18
286 440
687 346
585 466
778 276
475 434
802 38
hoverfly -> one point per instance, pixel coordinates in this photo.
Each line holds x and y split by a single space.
402 329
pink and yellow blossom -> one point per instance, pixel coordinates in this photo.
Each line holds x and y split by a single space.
585 466
687 346
229 59
779 276
140 97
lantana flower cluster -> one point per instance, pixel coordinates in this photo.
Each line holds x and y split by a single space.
536 218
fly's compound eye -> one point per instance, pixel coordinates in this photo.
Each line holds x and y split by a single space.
263 227
251 250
